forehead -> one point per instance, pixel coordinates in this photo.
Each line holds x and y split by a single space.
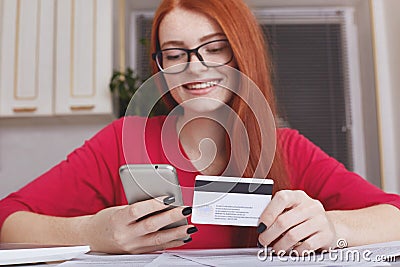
186 26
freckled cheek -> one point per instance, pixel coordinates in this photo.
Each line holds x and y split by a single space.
227 95
176 94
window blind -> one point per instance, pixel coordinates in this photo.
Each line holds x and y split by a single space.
310 76
143 59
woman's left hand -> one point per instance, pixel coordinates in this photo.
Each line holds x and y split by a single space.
293 220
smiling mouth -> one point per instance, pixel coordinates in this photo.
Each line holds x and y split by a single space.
200 85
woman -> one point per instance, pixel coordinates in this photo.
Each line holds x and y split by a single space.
317 201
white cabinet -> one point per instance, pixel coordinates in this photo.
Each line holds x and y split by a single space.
55 57
83 56
26 59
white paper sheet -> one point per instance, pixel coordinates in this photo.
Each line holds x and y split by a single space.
251 257
370 255
20 253
145 260
170 260
111 260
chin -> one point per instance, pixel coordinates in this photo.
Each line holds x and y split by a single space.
202 107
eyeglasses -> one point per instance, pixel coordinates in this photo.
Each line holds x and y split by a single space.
211 54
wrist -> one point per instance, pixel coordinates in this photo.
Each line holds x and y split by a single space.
81 230
341 229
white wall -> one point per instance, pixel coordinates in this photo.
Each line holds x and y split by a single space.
30 146
386 21
368 92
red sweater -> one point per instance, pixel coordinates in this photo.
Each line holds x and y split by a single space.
88 180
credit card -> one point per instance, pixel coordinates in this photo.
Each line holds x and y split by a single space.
230 200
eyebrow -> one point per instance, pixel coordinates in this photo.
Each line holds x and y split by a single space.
209 36
202 39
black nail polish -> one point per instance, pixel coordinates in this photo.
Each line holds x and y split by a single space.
169 200
261 228
259 244
191 230
187 240
187 211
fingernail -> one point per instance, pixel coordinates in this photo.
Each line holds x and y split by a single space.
259 244
261 228
191 230
169 200
187 240
187 211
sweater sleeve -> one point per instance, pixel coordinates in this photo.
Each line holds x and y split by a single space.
86 182
324 178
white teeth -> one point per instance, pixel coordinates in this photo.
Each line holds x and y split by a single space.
201 85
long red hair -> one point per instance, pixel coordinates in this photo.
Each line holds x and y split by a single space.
246 39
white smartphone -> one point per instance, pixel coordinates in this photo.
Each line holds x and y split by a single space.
146 181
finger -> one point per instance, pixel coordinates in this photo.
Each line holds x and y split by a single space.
162 237
281 201
154 223
285 221
312 243
139 209
295 236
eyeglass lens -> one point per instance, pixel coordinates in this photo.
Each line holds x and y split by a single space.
212 54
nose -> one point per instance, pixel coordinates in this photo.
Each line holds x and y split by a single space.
195 63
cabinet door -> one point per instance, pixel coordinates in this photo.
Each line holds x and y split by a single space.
26 57
83 56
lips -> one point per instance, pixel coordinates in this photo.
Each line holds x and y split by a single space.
201 85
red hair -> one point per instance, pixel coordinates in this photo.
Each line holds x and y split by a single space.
246 39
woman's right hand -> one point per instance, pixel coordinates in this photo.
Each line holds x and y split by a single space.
117 229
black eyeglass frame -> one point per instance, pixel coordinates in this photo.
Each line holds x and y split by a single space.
189 52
